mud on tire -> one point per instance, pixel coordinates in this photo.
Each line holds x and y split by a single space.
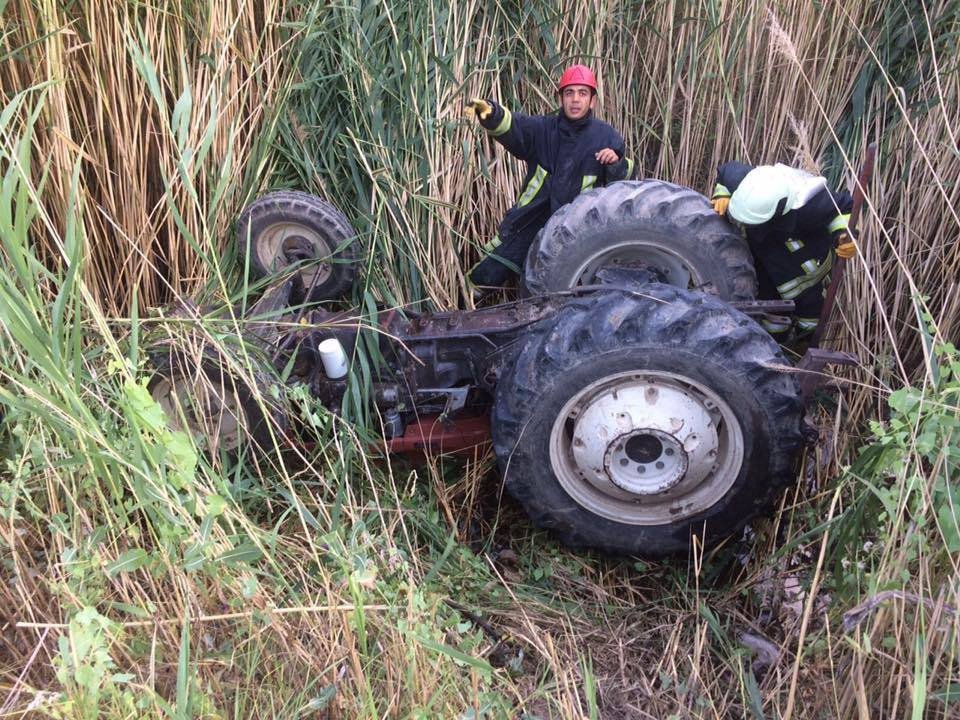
669 227
675 382
286 227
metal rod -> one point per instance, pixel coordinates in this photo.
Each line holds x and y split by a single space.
840 264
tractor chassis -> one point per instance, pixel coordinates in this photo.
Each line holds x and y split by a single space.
436 373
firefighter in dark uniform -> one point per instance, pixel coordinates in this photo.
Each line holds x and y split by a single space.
566 153
795 226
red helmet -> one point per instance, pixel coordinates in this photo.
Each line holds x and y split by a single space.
578 75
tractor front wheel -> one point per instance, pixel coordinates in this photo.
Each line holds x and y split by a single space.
201 397
288 229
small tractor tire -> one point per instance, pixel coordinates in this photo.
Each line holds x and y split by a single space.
652 223
205 399
632 422
287 227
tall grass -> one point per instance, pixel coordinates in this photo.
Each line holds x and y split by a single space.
167 110
143 577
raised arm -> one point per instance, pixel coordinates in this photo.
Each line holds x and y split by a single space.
516 131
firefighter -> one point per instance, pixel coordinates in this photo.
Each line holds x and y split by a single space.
566 153
795 226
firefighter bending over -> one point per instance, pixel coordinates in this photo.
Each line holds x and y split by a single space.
792 222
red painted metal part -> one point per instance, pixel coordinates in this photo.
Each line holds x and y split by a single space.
430 434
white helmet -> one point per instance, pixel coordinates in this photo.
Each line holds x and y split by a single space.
762 189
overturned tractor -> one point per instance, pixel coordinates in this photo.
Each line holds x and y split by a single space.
632 398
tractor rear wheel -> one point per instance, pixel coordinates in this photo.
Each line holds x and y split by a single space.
287 228
633 422
667 228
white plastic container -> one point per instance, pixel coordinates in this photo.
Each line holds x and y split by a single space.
334 358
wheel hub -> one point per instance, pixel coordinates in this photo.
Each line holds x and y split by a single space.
661 261
643 438
194 405
646 448
285 243
645 462
297 248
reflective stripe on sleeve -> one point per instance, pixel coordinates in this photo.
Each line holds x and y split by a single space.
533 187
794 245
511 266
629 168
492 245
807 323
775 327
588 182
504 125
840 222
720 191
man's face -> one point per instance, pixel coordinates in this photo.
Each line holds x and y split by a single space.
577 101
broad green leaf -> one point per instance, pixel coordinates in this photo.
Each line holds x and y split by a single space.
129 561
458 656
244 553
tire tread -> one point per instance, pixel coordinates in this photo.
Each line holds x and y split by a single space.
310 209
665 316
670 206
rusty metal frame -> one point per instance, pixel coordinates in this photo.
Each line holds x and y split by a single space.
811 369
457 430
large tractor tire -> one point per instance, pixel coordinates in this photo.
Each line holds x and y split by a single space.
635 421
286 228
670 229
201 397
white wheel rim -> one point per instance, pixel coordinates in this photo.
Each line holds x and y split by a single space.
677 271
277 238
646 447
199 407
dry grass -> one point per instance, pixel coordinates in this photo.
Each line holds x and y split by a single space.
336 585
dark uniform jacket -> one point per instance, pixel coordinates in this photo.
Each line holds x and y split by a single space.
559 154
794 249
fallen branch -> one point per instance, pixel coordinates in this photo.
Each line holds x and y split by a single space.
857 615
768 654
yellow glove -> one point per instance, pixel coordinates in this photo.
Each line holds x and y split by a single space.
845 247
478 107
720 205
